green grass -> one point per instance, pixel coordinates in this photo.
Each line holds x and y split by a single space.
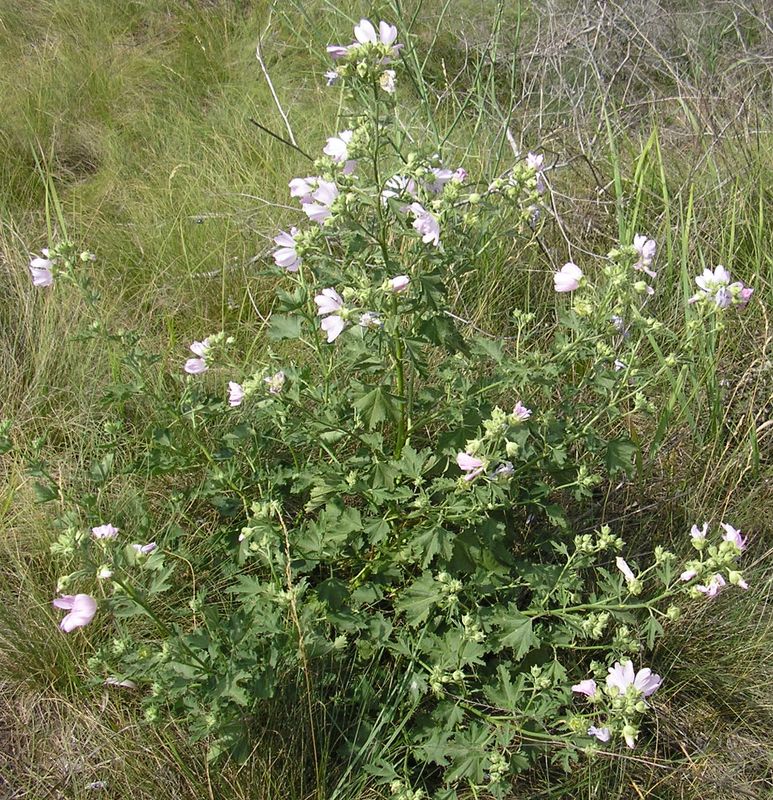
140 114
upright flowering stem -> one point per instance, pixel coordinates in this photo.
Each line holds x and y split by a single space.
400 386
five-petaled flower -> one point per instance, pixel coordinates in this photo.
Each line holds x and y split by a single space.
286 256
645 249
196 366
337 147
235 394
330 302
470 465
733 535
40 269
426 224
621 676
318 207
82 608
586 687
106 531
568 278
713 587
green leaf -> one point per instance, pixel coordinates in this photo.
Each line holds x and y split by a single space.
284 326
44 493
620 455
100 470
516 631
378 405
436 540
417 600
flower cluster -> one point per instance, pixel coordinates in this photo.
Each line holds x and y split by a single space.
368 57
620 701
715 559
717 289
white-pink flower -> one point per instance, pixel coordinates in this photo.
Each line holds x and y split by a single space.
399 283
286 256
602 734
328 301
337 147
622 565
333 326
322 198
470 465
336 51
82 608
535 161
426 224
520 412
621 676
699 534
195 366
733 535
235 394
712 588
40 268
275 382
440 177
586 687
397 186
688 575
302 188
568 278
646 249
144 549
106 531
125 684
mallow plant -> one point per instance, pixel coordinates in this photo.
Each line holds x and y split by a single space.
390 494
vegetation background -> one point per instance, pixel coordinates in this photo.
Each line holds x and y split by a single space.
655 116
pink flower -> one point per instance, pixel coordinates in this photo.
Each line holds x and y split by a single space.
275 382
302 188
105 531
568 278
337 147
646 249
41 271
426 224
82 608
602 734
387 33
333 327
621 676
195 366
328 302
535 161
286 256
733 535
586 687
699 534
688 575
397 186
200 348
460 174
711 589
469 464
144 549
520 412
235 394
364 32
622 565
440 177
399 283
370 320
322 198
125 684
336 51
